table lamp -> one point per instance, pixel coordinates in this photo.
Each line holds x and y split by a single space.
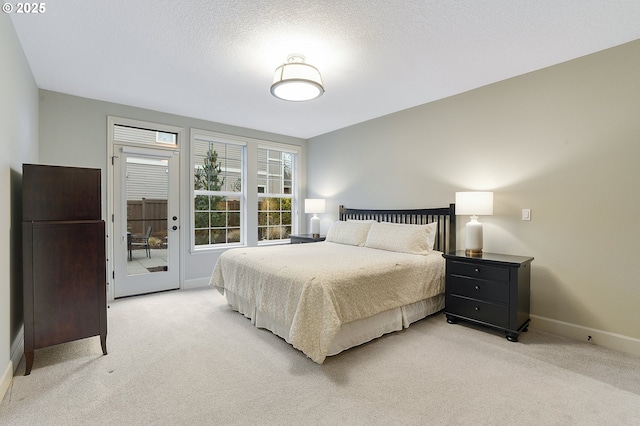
314 206
474 204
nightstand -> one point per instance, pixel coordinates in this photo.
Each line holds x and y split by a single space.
305 238
490 289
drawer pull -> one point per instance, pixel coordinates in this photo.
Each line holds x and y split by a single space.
477 308
477 270
477 287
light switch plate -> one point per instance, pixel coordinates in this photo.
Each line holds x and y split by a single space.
526 214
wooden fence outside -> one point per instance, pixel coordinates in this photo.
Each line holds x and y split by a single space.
147 212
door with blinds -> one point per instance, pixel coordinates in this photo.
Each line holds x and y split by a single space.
146 213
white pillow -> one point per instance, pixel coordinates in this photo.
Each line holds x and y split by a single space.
403 238
352 232
433 230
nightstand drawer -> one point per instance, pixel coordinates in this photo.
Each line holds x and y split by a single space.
478 310
497 291
474 270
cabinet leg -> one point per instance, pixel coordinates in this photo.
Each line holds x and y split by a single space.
28 358
452 320
512 337
103 343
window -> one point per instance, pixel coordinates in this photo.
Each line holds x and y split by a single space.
218 176
275 193
137 135
245 191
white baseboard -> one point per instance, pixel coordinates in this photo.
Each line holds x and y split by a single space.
615 341
5 380
196 283
17 349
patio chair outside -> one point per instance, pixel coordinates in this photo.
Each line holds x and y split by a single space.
140 241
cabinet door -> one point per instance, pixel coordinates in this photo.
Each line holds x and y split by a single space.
56 193
69 280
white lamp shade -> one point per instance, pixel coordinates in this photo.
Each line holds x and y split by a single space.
297 81
314 205
474 203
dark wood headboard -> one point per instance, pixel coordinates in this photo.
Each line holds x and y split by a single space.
445 216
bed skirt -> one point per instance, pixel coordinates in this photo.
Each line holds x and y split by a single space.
353 333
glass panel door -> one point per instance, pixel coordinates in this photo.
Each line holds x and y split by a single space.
146 249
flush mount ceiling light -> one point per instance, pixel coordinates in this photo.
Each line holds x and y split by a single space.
297 81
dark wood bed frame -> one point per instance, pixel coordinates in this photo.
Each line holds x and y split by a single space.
445 216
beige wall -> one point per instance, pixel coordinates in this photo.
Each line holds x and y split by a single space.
563 141
18 144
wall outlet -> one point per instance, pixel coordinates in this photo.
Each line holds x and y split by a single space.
526 214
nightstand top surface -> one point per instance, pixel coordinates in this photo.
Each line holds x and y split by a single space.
488 257
306 238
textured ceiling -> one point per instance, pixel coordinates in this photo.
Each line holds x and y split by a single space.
215 60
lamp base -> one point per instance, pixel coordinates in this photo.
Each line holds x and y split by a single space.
473 232
315 226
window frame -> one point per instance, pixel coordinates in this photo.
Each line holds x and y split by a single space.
295 195
249 213
197 134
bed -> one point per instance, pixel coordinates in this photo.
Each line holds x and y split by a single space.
377 272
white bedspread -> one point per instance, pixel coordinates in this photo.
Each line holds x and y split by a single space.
317 287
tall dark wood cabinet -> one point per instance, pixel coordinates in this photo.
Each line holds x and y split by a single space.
63 257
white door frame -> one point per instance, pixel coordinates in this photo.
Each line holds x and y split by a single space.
110 201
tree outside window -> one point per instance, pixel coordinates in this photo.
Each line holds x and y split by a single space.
217 189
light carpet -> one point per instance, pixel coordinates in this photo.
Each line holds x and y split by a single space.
185 358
